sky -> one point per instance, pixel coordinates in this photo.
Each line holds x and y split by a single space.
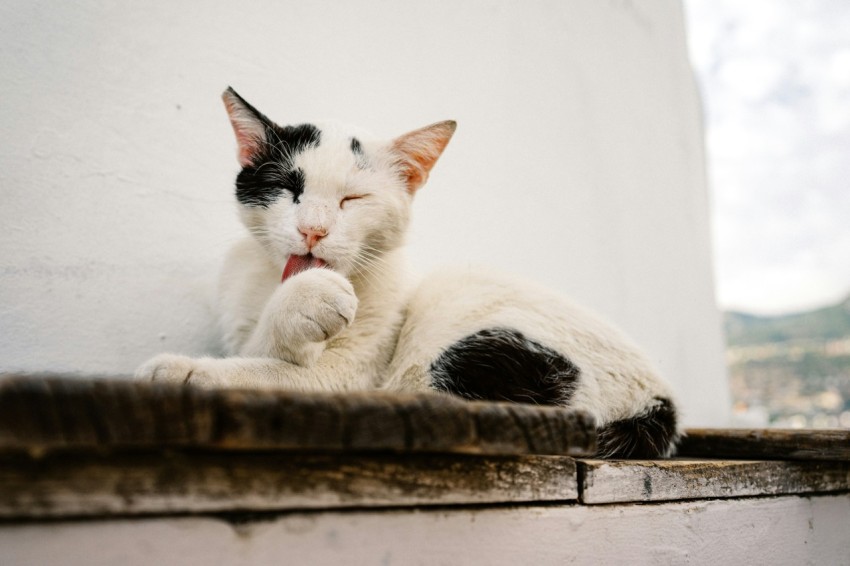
775 80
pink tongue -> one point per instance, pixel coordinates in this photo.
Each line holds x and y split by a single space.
298 263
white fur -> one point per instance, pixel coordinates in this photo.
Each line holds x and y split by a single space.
358 324
276 332
617 381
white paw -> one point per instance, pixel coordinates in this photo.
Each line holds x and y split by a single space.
320 304
172 368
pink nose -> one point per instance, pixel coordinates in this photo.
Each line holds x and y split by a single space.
312 235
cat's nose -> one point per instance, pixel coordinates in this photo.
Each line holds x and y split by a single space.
312 235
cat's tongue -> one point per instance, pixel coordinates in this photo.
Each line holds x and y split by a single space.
298 263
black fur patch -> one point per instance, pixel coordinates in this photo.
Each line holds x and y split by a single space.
501 364
650 435
271 172
356 148
359 155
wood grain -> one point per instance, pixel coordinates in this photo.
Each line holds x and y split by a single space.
768 444
79 485
99 447
621 481
43 413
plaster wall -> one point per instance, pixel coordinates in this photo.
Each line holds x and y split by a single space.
578 161
782 530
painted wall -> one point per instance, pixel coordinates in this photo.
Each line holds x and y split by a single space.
578 161
777 530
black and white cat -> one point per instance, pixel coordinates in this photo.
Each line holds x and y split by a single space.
317 299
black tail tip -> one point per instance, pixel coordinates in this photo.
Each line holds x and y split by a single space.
651 434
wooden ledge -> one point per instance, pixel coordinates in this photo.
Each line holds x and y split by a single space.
73 447
40 414
767 444
177 482
726 463
650 481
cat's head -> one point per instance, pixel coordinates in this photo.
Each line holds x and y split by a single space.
318 194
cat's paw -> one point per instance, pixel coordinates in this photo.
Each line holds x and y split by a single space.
320 304
172 368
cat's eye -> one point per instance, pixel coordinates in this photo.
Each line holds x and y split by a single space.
348 198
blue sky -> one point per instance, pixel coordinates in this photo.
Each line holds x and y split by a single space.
775 78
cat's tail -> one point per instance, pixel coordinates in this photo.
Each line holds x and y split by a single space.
652 433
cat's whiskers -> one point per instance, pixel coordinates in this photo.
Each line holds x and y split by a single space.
368 268
370 263
368 272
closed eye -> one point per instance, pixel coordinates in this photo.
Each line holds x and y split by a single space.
348 198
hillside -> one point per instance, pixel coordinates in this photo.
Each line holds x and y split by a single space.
827 323
794 369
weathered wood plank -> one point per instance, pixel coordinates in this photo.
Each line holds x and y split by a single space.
79 484
49 413
767 444
620 481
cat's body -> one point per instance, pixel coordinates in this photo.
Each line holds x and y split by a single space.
329 210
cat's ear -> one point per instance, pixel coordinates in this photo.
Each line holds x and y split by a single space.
249 125
418 151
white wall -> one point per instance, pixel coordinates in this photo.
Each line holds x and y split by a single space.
776 530
578 160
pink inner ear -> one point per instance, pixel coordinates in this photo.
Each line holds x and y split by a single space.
414 177
420 150
249 131
249 147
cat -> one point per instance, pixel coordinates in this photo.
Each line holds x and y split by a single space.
316 297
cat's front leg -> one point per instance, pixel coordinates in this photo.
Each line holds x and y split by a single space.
338 374
301 316
173 368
